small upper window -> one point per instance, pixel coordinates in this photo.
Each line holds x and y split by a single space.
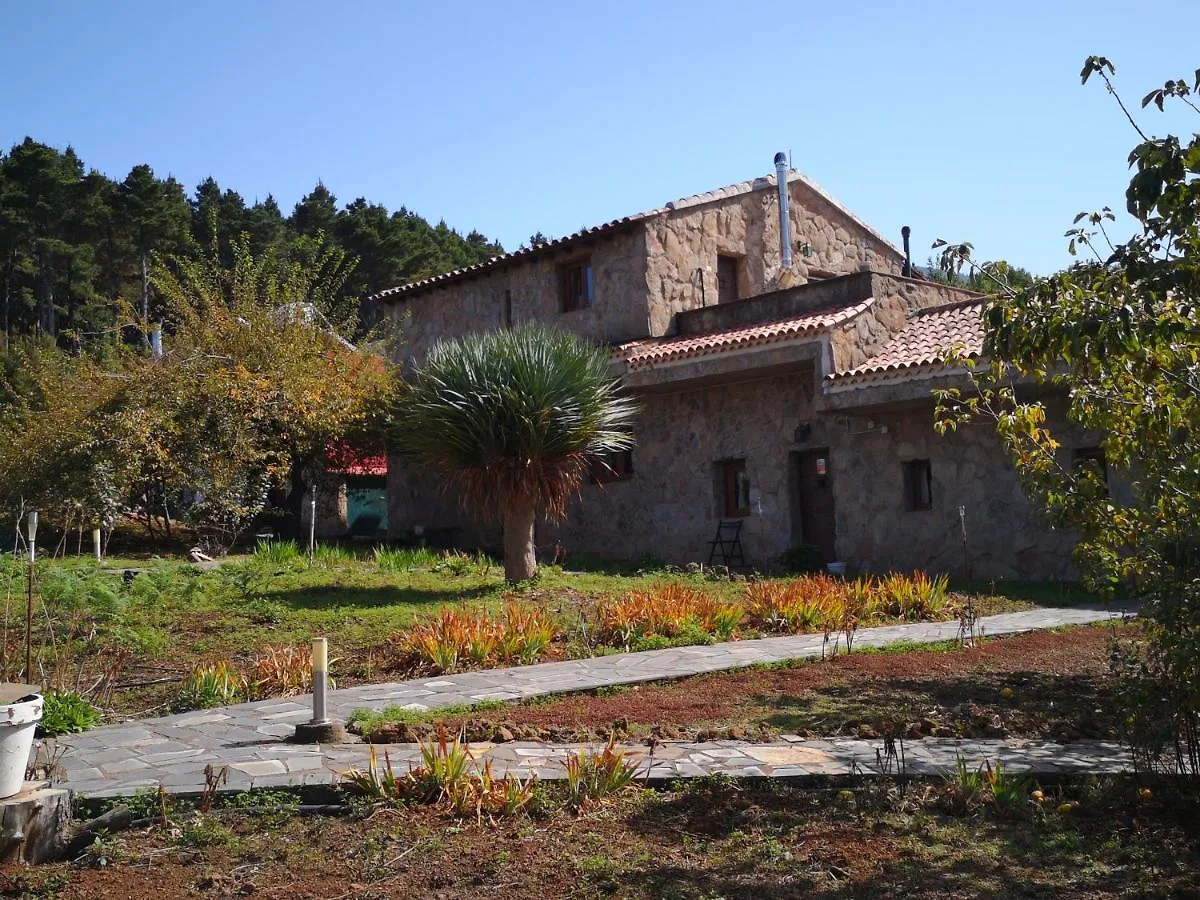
575 284
918 485
735 485
1082 457
727 279
612 467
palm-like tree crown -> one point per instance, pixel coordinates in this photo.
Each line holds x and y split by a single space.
513 416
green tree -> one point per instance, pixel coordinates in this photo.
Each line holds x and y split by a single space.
259 378
1119 334
49 186
157 218
257 382
316 213
512 419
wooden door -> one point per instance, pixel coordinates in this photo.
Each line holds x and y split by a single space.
812 475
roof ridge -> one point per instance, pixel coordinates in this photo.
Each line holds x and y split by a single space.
737 188
947 307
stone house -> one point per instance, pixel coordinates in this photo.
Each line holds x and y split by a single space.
783 352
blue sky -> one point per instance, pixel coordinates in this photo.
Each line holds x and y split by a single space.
966 121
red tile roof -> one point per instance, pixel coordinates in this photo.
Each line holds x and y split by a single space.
644 353
926 338
343 459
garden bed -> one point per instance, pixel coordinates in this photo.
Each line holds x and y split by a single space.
703 839
129 644
1050 685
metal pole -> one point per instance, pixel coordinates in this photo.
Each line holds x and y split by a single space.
31 524
312 524
320 675
29 618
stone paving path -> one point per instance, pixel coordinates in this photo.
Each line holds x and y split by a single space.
248 737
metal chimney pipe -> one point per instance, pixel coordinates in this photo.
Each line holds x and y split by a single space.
906 233
785 236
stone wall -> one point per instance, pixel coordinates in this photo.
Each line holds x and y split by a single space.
671 505
617 313
646 273
422 508
896 298
684 244
331 507
1006 537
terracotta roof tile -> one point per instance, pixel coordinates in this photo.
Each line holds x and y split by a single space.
644 353
926 337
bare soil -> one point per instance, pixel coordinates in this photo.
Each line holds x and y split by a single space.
712 839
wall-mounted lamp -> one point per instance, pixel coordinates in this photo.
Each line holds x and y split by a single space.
802 433
806 249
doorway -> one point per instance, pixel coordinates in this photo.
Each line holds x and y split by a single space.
813 520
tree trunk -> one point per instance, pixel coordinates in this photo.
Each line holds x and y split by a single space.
46 303
520 559
8 275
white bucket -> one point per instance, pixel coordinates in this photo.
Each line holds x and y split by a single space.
20 711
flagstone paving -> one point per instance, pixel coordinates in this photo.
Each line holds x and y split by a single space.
248 738
791 757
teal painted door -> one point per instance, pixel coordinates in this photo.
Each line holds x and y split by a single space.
366 510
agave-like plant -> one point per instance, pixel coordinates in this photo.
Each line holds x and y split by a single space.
513 419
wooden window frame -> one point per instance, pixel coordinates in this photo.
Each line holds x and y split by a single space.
611 467
735 488
576 284
918 474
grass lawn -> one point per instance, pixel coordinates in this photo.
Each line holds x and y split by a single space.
709 838
129 645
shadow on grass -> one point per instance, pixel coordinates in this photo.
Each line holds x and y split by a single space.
1039 593
330 597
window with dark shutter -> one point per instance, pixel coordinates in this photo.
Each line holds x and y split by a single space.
612 467
735 488
918 485
575 285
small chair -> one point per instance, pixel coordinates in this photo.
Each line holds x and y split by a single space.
729 542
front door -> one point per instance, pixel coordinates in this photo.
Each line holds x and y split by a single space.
813 518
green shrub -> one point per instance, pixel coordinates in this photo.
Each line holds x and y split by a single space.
66 712
277 553
404 559
209 686
331 556
459 563
593 777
